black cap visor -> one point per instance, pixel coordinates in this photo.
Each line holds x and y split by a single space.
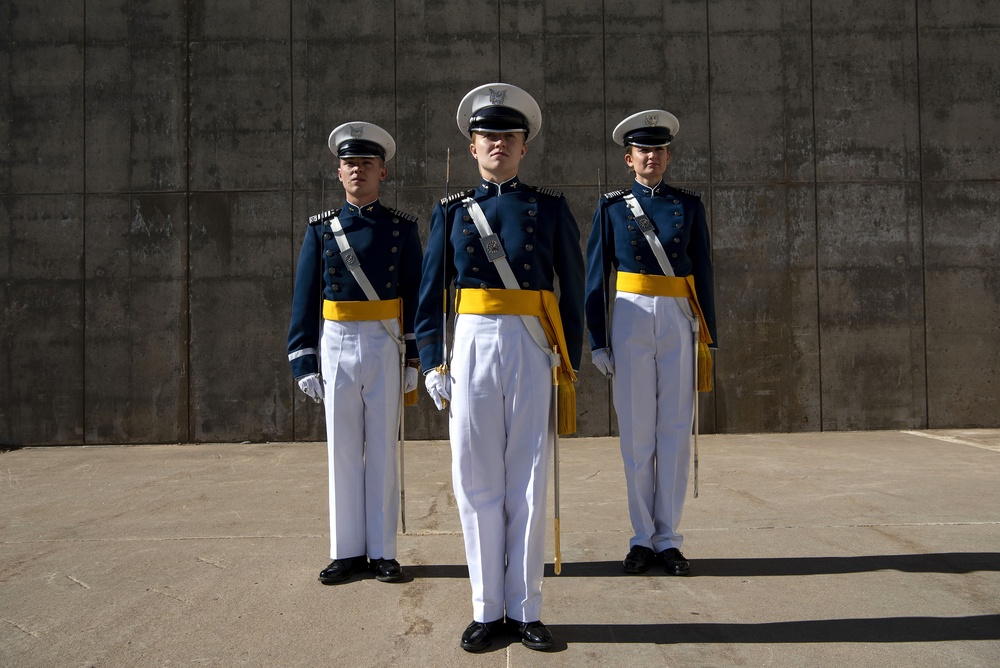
498 119
360 148
648 137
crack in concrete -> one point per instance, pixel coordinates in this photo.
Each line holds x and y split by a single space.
21 628
79 582
163 593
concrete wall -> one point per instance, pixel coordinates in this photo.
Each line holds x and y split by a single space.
160 159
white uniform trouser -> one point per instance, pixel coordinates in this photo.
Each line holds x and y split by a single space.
361 375
500 445
654 398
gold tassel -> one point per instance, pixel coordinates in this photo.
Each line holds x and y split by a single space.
704 368
410 398
567 406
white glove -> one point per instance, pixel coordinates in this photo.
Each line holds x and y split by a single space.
312 385
410 383
438 386
604 360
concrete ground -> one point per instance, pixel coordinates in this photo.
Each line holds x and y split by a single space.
823 549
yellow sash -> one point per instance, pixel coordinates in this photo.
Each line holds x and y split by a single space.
385 309
544 305
388 309
675 286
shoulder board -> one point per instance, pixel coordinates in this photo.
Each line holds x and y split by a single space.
322 217
454 197
548 191
693 193
615 194
403 214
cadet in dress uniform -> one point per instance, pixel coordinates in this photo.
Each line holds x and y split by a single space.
500 379
356 291
652 343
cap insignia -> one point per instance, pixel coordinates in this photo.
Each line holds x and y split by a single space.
497 96
357 131
652 120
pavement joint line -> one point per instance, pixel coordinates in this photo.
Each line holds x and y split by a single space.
953 439
138 539
860 525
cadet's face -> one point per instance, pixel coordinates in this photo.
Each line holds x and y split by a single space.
649 163
361 178
498 154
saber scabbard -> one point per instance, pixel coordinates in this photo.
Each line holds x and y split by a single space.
555 458
444 274
402 438
694 444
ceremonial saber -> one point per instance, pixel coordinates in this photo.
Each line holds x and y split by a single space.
607 306
444 274
555 457
402 433
694 446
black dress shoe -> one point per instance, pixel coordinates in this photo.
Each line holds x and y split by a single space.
674 562
534 635
386 570
340 570
638 559
478 636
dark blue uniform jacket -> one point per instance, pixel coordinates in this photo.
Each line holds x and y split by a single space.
539 235
678 216
388 247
